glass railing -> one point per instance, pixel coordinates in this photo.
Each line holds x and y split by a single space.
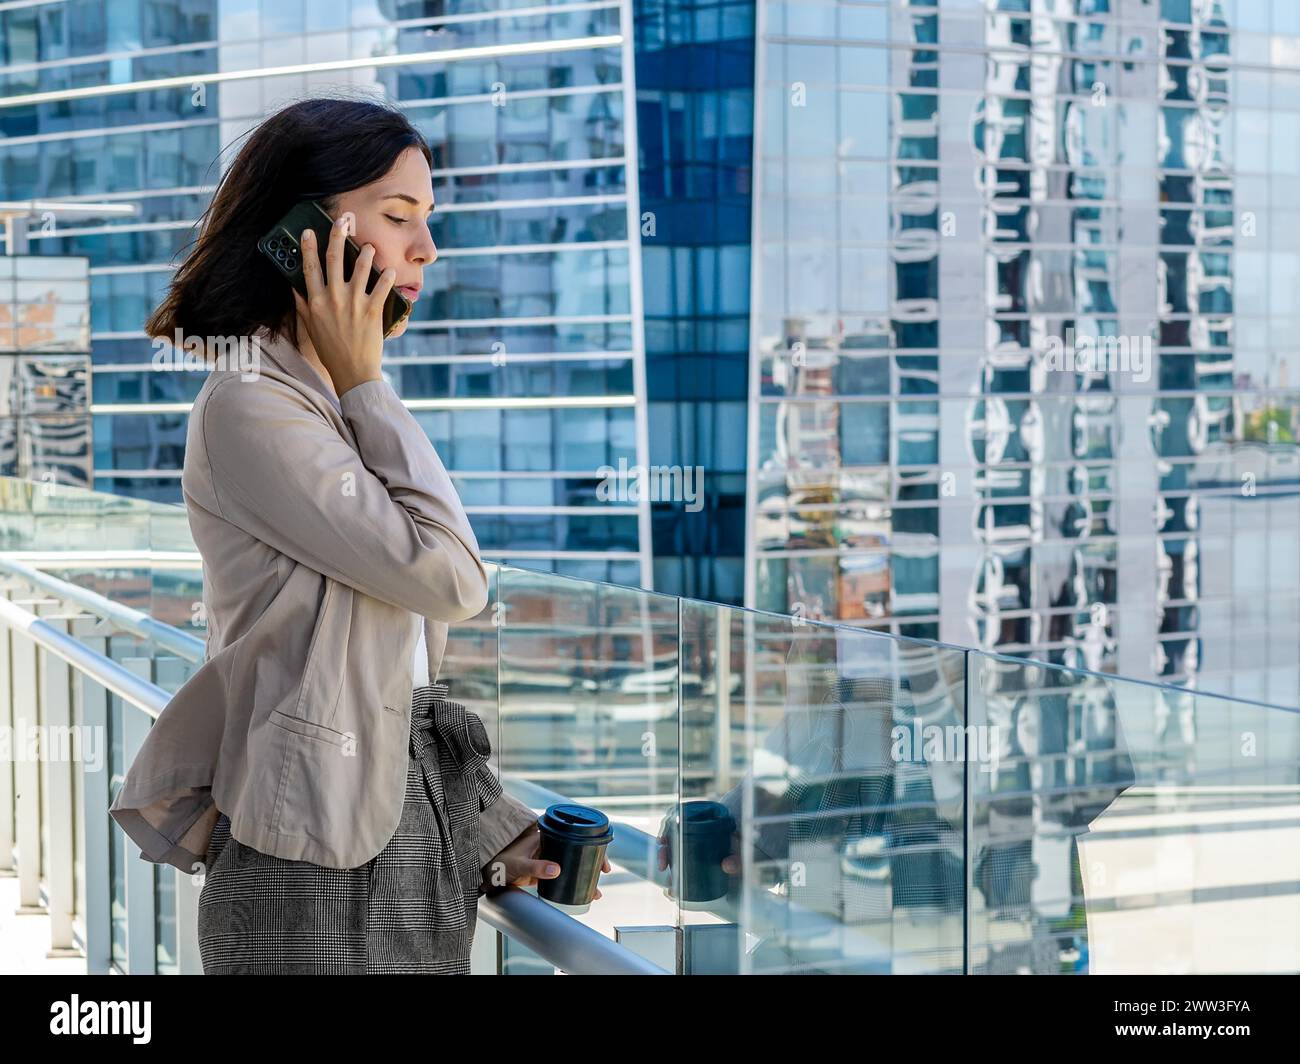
1131 827
792 796
140 555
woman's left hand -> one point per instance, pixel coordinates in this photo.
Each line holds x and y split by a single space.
520 864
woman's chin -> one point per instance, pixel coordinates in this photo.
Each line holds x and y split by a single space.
401 328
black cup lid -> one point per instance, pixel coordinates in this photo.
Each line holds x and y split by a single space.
575 821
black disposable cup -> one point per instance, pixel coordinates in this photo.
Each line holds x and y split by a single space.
574 837
699 837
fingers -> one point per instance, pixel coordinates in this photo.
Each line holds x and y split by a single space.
311 265
531 871
361 274
334 253
539 870
383 286
543 869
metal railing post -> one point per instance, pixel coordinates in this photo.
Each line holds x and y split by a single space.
56 765
141 952
27 799
7 781
170 673
722 699
97 906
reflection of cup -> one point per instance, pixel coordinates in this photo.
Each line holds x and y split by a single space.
574 837
699 838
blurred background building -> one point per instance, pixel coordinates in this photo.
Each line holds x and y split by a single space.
937 197
524 359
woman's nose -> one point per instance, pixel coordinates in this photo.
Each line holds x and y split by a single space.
426 251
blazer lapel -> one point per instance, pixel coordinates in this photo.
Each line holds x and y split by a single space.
281 354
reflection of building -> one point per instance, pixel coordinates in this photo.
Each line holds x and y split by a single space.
947 199
45 369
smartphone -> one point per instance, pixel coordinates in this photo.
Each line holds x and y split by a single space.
282 247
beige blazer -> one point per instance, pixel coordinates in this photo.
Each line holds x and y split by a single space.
323 524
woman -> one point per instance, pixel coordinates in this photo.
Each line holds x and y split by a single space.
338 803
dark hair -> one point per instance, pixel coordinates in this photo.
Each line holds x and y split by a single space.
312 149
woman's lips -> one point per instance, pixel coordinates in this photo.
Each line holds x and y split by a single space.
412 292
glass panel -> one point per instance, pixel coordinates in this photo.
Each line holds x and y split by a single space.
1127 827
589 713
848 835
795 796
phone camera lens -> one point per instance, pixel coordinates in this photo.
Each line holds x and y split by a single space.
291 264
274 244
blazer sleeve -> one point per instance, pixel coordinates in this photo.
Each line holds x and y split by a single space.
384 518
499 825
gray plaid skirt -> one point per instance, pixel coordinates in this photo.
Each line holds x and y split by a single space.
410 909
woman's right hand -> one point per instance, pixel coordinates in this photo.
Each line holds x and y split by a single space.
345 323
518 865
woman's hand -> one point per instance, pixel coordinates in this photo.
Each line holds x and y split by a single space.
345 323
520 866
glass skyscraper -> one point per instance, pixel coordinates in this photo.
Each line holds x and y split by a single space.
695 115
1022 372
523 360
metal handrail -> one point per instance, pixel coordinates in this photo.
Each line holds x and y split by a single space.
142 694
554 936
137 622
558 938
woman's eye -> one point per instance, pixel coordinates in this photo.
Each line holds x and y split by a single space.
395 221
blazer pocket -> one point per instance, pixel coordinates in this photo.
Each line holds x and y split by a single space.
321 779
308 728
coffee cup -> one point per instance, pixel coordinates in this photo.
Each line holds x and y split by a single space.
575 837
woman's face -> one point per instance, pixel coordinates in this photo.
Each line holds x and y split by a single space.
393 215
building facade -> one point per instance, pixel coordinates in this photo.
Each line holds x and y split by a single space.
1021 341
695 103
523 360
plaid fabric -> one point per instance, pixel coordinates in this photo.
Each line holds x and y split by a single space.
411 908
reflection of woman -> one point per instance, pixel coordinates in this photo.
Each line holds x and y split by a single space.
335 552
823 777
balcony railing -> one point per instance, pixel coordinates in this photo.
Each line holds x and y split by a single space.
890 805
